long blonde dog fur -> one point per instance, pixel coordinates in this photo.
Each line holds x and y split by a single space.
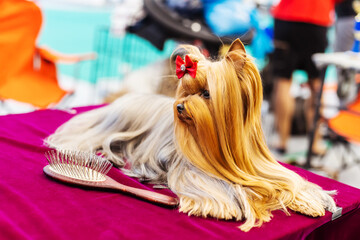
211 152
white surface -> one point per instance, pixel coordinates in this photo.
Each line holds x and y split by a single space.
342 59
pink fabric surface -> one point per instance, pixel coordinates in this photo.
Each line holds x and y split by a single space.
32 206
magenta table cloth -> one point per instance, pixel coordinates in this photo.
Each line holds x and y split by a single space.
33 206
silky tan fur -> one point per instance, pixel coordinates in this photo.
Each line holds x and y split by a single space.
212 154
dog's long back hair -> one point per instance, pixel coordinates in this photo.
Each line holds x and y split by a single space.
136 127
224 136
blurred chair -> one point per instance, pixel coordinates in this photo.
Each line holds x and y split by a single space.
28 73
344 137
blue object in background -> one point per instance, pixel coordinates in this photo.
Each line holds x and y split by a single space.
227 17
236 17
356 46
262 43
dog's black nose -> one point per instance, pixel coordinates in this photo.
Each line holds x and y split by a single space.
180 108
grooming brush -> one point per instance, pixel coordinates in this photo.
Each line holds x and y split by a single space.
89 170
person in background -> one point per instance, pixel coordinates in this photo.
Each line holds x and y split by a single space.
344 41
344 26
300 30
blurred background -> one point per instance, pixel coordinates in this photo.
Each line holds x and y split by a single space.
125 37
90 52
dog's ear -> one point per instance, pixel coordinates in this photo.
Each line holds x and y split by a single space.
237 45
236 53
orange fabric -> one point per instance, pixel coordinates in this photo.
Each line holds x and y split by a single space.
20 23
346 124
355 106
57 57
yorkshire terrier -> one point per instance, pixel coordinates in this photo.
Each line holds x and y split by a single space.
207 145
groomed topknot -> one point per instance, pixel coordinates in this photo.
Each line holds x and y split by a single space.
192 51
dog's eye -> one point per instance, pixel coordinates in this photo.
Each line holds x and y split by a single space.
205 94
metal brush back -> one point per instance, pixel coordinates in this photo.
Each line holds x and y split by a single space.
79 165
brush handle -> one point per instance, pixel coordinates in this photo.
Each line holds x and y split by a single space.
110 183
142 193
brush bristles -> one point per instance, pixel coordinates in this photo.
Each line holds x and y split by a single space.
79 165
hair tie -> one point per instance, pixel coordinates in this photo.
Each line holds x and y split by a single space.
188 66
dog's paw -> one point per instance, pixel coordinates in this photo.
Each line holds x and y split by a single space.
313 201
313 209
210 208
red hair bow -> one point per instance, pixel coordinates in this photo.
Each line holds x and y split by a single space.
185 67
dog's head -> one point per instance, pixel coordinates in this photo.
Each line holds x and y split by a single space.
218 113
